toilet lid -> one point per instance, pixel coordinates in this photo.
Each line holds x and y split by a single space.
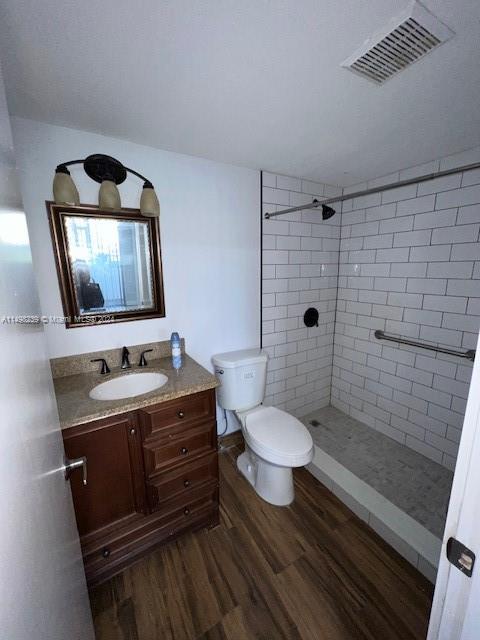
277 431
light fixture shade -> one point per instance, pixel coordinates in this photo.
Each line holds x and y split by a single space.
64 189
108 195
149 204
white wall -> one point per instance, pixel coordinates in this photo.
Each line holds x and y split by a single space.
300 267
210 234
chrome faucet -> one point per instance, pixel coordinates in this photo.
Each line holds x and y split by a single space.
125 361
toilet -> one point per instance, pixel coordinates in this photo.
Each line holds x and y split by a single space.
275 441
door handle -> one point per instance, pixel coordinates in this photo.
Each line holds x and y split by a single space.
75 463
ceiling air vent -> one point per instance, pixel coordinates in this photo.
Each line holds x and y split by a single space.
405 40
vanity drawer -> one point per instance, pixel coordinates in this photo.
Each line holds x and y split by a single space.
108 556
183 480
160 455
174 415
184 508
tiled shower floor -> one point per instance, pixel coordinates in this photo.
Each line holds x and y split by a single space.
415 484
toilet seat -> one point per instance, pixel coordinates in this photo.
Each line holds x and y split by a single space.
278 437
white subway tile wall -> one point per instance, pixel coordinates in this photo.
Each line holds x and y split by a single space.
300 269
406 261
410 265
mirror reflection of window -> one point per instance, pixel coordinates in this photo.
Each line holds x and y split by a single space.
111 264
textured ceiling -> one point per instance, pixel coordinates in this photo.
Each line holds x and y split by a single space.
253 82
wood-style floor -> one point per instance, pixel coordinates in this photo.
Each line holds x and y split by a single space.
310 571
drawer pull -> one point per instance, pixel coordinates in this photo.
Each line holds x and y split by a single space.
105 552
184 451
181 414
186 483
186 511
132 431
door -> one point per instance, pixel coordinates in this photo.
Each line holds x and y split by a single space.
42 583
456 609
114 495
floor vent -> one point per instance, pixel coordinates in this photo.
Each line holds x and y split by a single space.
405 40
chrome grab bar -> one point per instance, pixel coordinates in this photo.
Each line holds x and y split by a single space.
469 355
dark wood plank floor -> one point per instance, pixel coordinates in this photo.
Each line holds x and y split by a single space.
310 571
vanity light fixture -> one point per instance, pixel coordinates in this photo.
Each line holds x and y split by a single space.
109 173
149 205
108 195
64 189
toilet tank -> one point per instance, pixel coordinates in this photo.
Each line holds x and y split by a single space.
242 376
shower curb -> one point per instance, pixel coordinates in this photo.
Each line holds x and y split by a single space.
408 537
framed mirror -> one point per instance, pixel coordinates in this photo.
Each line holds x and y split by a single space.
109 264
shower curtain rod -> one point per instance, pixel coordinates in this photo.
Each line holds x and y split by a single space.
393 185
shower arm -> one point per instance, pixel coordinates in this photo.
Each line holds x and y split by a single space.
386 187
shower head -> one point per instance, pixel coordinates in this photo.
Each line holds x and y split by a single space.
327 212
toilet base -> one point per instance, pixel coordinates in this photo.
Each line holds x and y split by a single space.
272 483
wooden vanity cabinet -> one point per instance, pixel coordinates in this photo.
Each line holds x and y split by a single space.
115 491
152 475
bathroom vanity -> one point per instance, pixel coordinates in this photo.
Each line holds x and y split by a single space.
151 461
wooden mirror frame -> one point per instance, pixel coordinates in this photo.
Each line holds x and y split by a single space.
65 276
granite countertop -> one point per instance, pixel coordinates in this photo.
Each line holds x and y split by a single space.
76 407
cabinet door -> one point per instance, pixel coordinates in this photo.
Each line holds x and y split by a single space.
114 495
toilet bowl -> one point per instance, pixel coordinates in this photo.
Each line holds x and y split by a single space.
275 441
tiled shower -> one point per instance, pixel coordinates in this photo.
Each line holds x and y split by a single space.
405 261
300 267
409 265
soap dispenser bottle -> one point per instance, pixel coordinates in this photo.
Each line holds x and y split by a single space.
176 350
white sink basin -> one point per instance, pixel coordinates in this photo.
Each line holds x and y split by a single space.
127 386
